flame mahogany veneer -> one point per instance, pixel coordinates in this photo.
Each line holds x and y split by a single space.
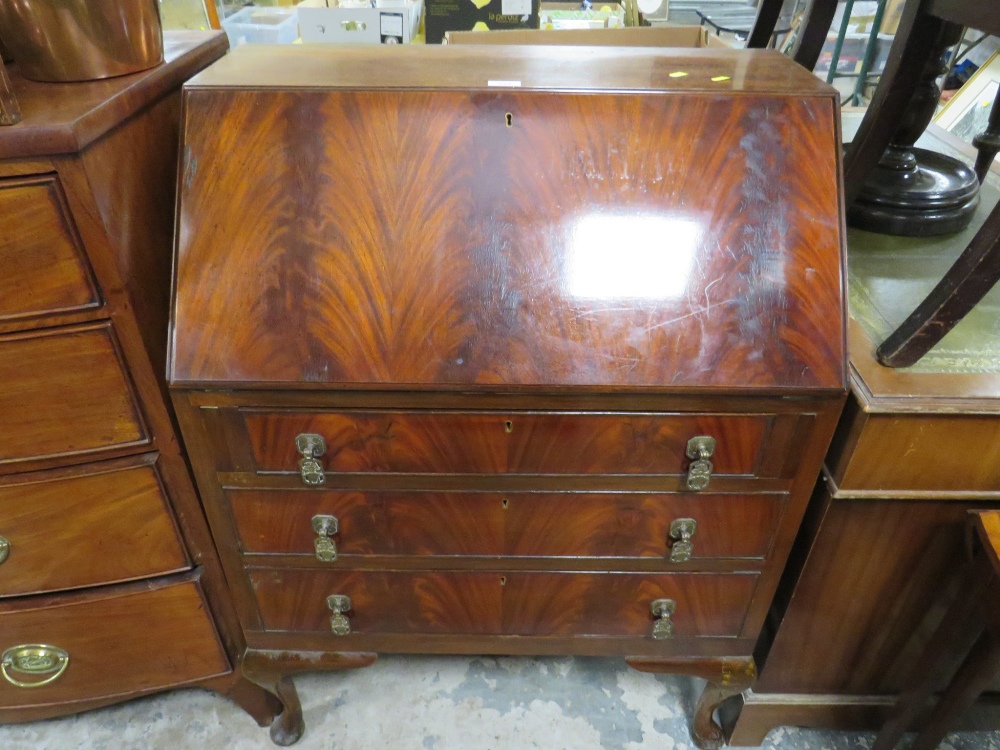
506 309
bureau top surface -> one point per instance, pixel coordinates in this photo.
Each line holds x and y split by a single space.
393 236
60 118
549 68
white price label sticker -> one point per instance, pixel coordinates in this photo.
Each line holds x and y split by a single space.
391 24
515 7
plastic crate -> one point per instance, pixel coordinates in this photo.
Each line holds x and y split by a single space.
262 26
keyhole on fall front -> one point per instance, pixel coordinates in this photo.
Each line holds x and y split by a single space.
508 426
509 118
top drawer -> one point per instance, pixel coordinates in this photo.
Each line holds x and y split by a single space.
467 442
43 268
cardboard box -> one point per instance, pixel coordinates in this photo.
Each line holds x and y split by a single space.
391 22
643 36
443 16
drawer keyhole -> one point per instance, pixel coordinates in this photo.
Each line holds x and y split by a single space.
508 426
505 503
503 580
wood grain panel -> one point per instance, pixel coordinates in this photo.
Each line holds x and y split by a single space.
875 586
64 392
599 240
116 640
498 443
43 268
501 603
102 523
516 524
929 452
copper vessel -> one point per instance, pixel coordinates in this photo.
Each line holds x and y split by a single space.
81 40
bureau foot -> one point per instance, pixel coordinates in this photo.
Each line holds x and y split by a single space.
726 677
272 671
263 705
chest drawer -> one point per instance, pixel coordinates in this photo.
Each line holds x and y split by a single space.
511 524
440 442
64 392
43 268
112 640
499 603
67 529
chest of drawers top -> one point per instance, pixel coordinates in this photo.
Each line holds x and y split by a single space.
456 218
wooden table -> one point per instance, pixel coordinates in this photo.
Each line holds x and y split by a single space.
882 543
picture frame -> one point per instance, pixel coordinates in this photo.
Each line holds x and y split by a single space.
966 114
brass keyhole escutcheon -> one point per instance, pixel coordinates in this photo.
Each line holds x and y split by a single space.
508 426
505 503
503 580
5 547
509 119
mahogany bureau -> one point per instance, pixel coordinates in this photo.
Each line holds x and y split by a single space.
110 586
507 350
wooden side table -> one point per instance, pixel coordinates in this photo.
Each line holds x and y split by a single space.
971 628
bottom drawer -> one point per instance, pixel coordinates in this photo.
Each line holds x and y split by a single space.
500 603
111 642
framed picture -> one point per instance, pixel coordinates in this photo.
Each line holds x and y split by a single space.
189 14
967 113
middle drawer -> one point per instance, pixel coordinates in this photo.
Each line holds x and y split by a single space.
84 526
510 524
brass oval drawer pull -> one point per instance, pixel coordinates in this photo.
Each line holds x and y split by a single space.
662 609
33 659
325 527
339 604
699 450
681 532
311 447
4 549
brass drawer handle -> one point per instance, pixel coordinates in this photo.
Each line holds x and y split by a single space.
4 549
339 604
699 450
311 447
33 659
663 628
325 527
681 532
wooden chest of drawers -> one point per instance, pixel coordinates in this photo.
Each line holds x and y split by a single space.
110 587
484 355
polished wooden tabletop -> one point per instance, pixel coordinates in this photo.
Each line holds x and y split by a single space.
645 69
63 118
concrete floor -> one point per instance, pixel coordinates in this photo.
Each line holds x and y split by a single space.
437 703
